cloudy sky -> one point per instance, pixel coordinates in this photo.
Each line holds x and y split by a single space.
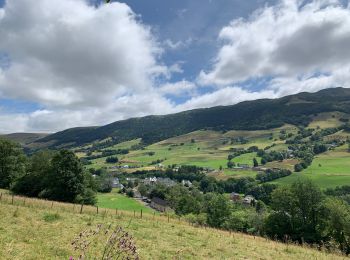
66 63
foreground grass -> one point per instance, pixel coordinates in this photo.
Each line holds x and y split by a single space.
34 231
114 200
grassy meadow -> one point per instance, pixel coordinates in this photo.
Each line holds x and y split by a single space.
115 200
329 169
37 231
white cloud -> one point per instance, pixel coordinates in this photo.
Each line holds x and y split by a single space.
91 66
176 68
68 53
225 96
289 40
169 44
179 88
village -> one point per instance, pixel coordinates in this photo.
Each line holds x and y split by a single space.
161 205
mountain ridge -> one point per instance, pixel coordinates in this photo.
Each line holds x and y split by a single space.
247 115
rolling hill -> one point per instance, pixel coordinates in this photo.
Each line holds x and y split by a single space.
261 114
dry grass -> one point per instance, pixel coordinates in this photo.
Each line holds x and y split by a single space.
35 231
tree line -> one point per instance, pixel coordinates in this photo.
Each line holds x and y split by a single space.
54 175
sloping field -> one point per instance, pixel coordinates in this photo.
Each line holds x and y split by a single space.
329 169
34 230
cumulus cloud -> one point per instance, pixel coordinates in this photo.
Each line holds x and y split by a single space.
291 40
68 53
91 65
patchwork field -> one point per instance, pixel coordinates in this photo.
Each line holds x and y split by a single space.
330 169
210 149
202 148
35 231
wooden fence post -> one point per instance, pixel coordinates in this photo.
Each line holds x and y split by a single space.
81 208
154 214
52 204
168 218
116 212
141 213
97 209
0 195
12 198
24 202
134 213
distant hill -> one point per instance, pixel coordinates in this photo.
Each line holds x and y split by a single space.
250 115
24 138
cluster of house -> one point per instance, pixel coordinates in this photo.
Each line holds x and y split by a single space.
247 200
165 181
163 206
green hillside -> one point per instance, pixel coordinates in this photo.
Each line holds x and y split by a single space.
37 231
251 115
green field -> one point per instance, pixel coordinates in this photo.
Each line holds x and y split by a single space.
330 169
36 231
210 149
115 200
201 148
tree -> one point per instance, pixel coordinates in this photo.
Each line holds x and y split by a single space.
296 212
105 182
142 188
336 215
218 210
112 159
255 162
298 167
32 182
66 178
12 162
88 196
230 164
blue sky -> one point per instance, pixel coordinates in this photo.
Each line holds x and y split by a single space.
66 63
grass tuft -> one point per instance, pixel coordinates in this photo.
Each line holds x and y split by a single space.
51 217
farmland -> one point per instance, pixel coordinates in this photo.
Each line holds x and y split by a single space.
330 169
210 149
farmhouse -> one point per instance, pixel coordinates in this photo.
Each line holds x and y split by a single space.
154 180
235 197
159 204
166 181
186 183
117 184
150 181
248 200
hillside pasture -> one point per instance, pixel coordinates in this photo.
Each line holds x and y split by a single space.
115 200
37 231
329 169
204 148
327 120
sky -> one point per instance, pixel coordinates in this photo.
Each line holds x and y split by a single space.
70 63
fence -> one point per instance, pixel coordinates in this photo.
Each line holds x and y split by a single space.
10 199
